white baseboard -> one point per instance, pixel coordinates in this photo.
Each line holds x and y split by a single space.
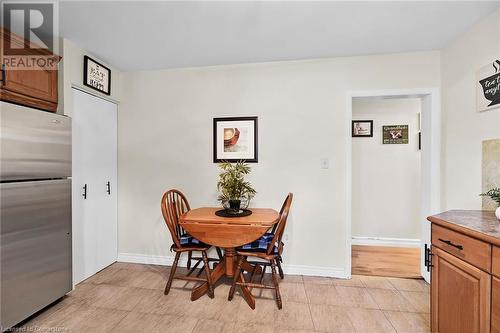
381 241
150 259
335 272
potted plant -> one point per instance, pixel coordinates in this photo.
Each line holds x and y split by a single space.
494 194
232 186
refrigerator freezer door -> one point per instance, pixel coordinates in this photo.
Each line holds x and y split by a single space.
34 144
35 247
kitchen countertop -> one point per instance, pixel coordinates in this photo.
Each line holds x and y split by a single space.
479 224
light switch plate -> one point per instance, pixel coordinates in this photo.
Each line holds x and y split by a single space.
324 163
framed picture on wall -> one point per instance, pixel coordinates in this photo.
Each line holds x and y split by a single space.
362 128
96 75
395 134
235 139
488 86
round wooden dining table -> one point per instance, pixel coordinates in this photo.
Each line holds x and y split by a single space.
227 233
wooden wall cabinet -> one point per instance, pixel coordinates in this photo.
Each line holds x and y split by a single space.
465 276
35 87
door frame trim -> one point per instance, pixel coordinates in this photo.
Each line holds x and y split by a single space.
87 91
430 162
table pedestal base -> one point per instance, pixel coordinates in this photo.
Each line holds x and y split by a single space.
227 267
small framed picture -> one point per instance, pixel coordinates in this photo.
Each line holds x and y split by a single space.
395 134
362 128
235 139
96 75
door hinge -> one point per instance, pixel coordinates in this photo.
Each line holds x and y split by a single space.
84 194
108 188
428 258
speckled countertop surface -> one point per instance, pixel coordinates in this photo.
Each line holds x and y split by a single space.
476 223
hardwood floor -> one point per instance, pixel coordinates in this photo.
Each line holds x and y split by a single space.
129 298
386 261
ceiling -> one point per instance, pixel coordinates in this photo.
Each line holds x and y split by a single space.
138 35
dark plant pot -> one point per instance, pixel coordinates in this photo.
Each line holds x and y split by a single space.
234 206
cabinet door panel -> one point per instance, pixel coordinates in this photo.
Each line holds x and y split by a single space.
460 296
496 261
40 84
495 305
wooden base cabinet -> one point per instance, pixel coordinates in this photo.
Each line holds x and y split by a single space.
460 296
465 276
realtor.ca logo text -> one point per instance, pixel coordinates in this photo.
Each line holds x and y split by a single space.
30 39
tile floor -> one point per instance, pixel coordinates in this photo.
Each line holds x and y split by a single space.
129 298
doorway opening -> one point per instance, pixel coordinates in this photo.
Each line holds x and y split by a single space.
386 219
386 186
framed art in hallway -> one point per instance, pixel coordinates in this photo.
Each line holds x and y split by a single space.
362 128
395 134
235 139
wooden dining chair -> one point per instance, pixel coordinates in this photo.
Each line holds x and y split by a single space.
173 205
268 248
279 259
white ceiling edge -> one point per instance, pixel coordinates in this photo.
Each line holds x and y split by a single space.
206 34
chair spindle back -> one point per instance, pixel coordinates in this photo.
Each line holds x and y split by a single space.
279 227
173 205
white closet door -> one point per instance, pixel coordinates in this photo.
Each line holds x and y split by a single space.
95 244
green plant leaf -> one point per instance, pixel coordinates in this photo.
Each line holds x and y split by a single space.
232 184
494 194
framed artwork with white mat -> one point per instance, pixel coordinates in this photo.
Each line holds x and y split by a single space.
235 139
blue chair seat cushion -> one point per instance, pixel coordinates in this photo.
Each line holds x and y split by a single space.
260 245
188 240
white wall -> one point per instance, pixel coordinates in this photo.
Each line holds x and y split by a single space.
165 141
464 128
386 178
72 75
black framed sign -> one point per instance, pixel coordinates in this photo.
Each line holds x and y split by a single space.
488 86
395 134
96 75
235 139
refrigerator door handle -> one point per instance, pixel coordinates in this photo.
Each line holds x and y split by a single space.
84 194
4 77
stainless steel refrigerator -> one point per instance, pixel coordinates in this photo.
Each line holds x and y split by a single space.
35 211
